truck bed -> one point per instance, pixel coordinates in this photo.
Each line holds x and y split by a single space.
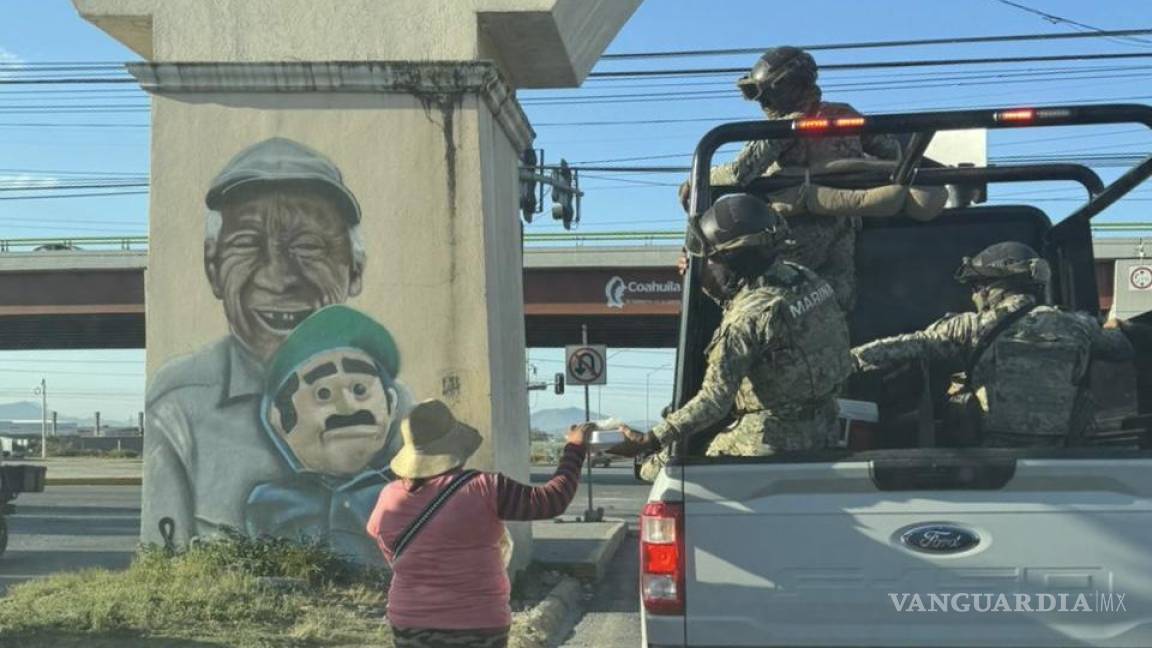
792 553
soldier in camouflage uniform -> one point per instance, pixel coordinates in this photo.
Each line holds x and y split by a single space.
778 357
1024 364
783 82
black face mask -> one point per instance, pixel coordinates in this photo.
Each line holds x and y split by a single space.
719 282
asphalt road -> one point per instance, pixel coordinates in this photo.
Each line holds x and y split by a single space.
614 489
611 615
72 527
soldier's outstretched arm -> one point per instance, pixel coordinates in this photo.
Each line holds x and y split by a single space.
729 361
1114 343
752 160
948 341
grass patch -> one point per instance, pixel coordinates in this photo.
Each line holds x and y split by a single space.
231 591
216 593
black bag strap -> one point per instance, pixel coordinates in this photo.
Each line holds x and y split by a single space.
991 334
406 536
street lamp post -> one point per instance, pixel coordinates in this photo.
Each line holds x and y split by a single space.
42 391
647 390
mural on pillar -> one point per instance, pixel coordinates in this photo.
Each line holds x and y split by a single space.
286 425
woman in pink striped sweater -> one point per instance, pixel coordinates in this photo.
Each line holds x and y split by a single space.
449 583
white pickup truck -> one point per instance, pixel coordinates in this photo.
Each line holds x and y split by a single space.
895 540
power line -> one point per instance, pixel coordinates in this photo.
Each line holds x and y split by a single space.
134 174
1054 19
74 185
73 125
887 64
697 95
76 195
67 80
879 44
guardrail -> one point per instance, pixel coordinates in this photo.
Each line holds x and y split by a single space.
75 243
644 237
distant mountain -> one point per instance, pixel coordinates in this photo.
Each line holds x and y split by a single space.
557 420
19 410
27 410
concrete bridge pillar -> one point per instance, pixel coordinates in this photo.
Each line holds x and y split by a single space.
305 156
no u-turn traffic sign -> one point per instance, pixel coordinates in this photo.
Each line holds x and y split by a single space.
586 364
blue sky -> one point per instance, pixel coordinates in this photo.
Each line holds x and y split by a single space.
50 151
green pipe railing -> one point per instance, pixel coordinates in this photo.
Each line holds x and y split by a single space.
648 236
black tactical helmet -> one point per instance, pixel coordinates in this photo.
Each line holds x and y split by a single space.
781 71
735 222
1008 260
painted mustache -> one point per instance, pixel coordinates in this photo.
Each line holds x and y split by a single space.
363 417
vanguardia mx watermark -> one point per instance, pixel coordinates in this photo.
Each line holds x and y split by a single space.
983 602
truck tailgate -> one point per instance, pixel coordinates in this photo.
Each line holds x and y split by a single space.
818 554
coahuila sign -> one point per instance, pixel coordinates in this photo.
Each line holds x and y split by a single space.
618 291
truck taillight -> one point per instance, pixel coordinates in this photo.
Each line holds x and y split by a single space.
662 557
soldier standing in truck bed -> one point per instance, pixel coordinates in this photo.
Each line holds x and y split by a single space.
783 82
778 357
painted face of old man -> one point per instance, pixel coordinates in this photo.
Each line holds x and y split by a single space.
280 256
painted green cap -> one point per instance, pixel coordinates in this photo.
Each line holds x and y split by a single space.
333 327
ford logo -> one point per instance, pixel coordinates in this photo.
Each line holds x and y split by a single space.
939 538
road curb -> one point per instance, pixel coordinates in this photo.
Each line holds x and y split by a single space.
552 617
578 549
92 481
556 615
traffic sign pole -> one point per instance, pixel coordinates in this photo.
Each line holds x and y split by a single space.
591 515
587 365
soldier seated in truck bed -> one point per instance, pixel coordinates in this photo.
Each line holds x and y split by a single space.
1025 365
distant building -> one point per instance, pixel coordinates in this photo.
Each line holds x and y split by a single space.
32 427
13 446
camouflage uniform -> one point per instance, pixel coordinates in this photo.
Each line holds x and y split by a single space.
826 244
776 361
1029 382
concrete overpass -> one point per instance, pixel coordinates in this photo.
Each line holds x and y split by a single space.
629 296
85 299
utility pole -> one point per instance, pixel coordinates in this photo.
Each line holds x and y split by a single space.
43 390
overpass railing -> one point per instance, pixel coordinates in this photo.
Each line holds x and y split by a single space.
74 243
638 237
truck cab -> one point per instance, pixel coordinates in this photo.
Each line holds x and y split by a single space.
896 538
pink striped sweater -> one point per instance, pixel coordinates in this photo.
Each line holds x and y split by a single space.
452 577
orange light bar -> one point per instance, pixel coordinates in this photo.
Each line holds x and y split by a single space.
811 124
1021 115
823 123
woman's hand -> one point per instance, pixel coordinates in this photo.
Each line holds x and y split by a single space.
578 434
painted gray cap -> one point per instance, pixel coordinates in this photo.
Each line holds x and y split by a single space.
280 161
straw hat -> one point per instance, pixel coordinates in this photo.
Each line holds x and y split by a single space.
434 442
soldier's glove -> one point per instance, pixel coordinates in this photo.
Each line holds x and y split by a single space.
858 364
635 444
